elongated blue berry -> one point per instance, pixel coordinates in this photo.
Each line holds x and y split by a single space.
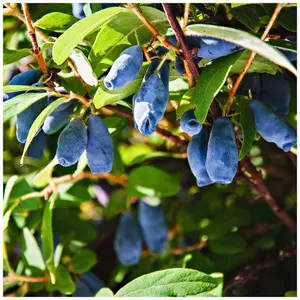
125 68
154 226
272 127
222 153
253 83
151 100
77 10
59 117
100 152
92 281
82 290
128 240
276 92
28 77
196 153
213 48
26 118
38 146
71 143
189 123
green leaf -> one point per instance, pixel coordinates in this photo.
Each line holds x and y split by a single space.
83 67
258 65
229 244
286 18
19 103
210 82
248 127
124 30
117 203
38 122
248 16
64 45
290 294
245 40
186 103
32 252
217 291
104 292
8 188
71 83
169 283
42 178
151 181
64 282
90 8
105 97
225 222
56 21
47 236
18 88
233 5
10 56
83 261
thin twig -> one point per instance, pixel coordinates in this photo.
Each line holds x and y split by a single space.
196 246
31 33
231 98
186 15
182 41
15 277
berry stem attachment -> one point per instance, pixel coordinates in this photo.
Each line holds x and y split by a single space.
231 98
31 33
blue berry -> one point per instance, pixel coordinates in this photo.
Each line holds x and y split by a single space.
37 146
128 240
196 153
291 55
189 123
222 153
213 48
59 117
92 281
71 143
179 66
28 77
77 10
82 290
26 118
251 82
273 128
125 68
154 226
100 152
276 92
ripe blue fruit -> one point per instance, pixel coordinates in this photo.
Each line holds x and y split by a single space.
128 240
154 226
162 49
222 153
151 100
100 152
92 281
213 48
59 117
77 10
26 118
125 68
71 143
189 123
37 146
196 153
179 66
291 55
276 92
251 82
272 127
82 290
28 77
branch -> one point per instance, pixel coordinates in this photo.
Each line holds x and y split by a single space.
250 59
181 38
256 178
31 33
15 277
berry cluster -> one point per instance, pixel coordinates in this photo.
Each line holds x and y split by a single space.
151 227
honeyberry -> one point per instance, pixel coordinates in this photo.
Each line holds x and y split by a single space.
38 145
128 240
77 10
100 152
189 123
222 153
196 154
92 281
125 68
71 143
251 82
273 128
26 118
154 226
82 290
28 77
